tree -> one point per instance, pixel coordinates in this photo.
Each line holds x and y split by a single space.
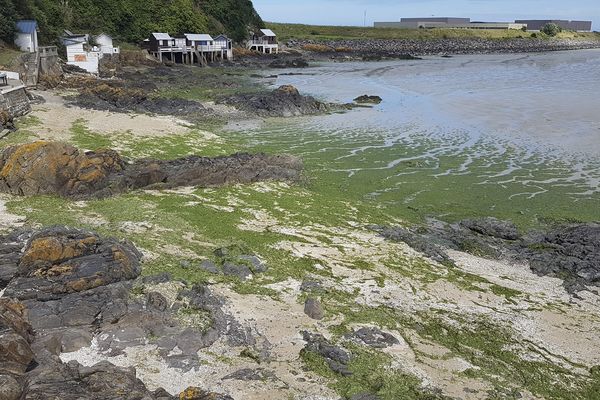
551 29
8 19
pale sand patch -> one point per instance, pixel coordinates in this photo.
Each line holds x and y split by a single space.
276 323
57 120
8 220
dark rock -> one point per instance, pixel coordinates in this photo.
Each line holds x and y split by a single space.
337 358
242 271
209 266
113 97
287 63
249 374
57 168
374 337
285 101
313 308
157 301
366 99
415 240
255 263
311 286
571 252
492 227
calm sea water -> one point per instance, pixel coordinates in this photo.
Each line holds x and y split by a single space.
517 136
549 99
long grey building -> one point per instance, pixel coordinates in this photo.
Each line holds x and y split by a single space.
446 22
538 24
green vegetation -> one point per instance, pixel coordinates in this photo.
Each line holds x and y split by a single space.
315 32
130 20
7 56
551 29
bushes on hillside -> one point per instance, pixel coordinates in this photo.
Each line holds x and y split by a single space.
551 29
130 20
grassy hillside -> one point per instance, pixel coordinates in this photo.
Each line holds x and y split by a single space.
318 32
131 20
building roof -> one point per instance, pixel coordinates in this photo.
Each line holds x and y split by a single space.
221 36
198 37
161 36
27 26
267 32
104 34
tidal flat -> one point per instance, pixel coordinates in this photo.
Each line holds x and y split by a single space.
467 137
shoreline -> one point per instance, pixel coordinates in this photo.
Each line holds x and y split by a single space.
404 48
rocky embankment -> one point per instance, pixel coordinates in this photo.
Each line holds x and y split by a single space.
58 168
137 92
285 101
63 287
570 252
392 48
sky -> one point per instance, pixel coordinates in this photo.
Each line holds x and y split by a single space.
351 12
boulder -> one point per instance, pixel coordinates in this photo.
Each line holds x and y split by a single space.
59 260
313 308
56 168
366 99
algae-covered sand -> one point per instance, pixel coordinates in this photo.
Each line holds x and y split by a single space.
474 329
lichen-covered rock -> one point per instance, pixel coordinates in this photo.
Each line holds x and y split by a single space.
195 393
60 260
58 168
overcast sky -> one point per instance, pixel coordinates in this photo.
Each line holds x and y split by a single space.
351 12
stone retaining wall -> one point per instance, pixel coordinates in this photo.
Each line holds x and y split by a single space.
13 103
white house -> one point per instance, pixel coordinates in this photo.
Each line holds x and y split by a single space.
79 52
27 38
264 41
105 42
200 41
225 46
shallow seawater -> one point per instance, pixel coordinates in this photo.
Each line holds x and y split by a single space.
514 136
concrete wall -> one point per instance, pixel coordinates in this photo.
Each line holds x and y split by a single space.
15 102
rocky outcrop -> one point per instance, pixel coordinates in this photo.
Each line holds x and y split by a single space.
287 63
366 99
58 168
115 97
571 252
63 287
286 101
336 357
